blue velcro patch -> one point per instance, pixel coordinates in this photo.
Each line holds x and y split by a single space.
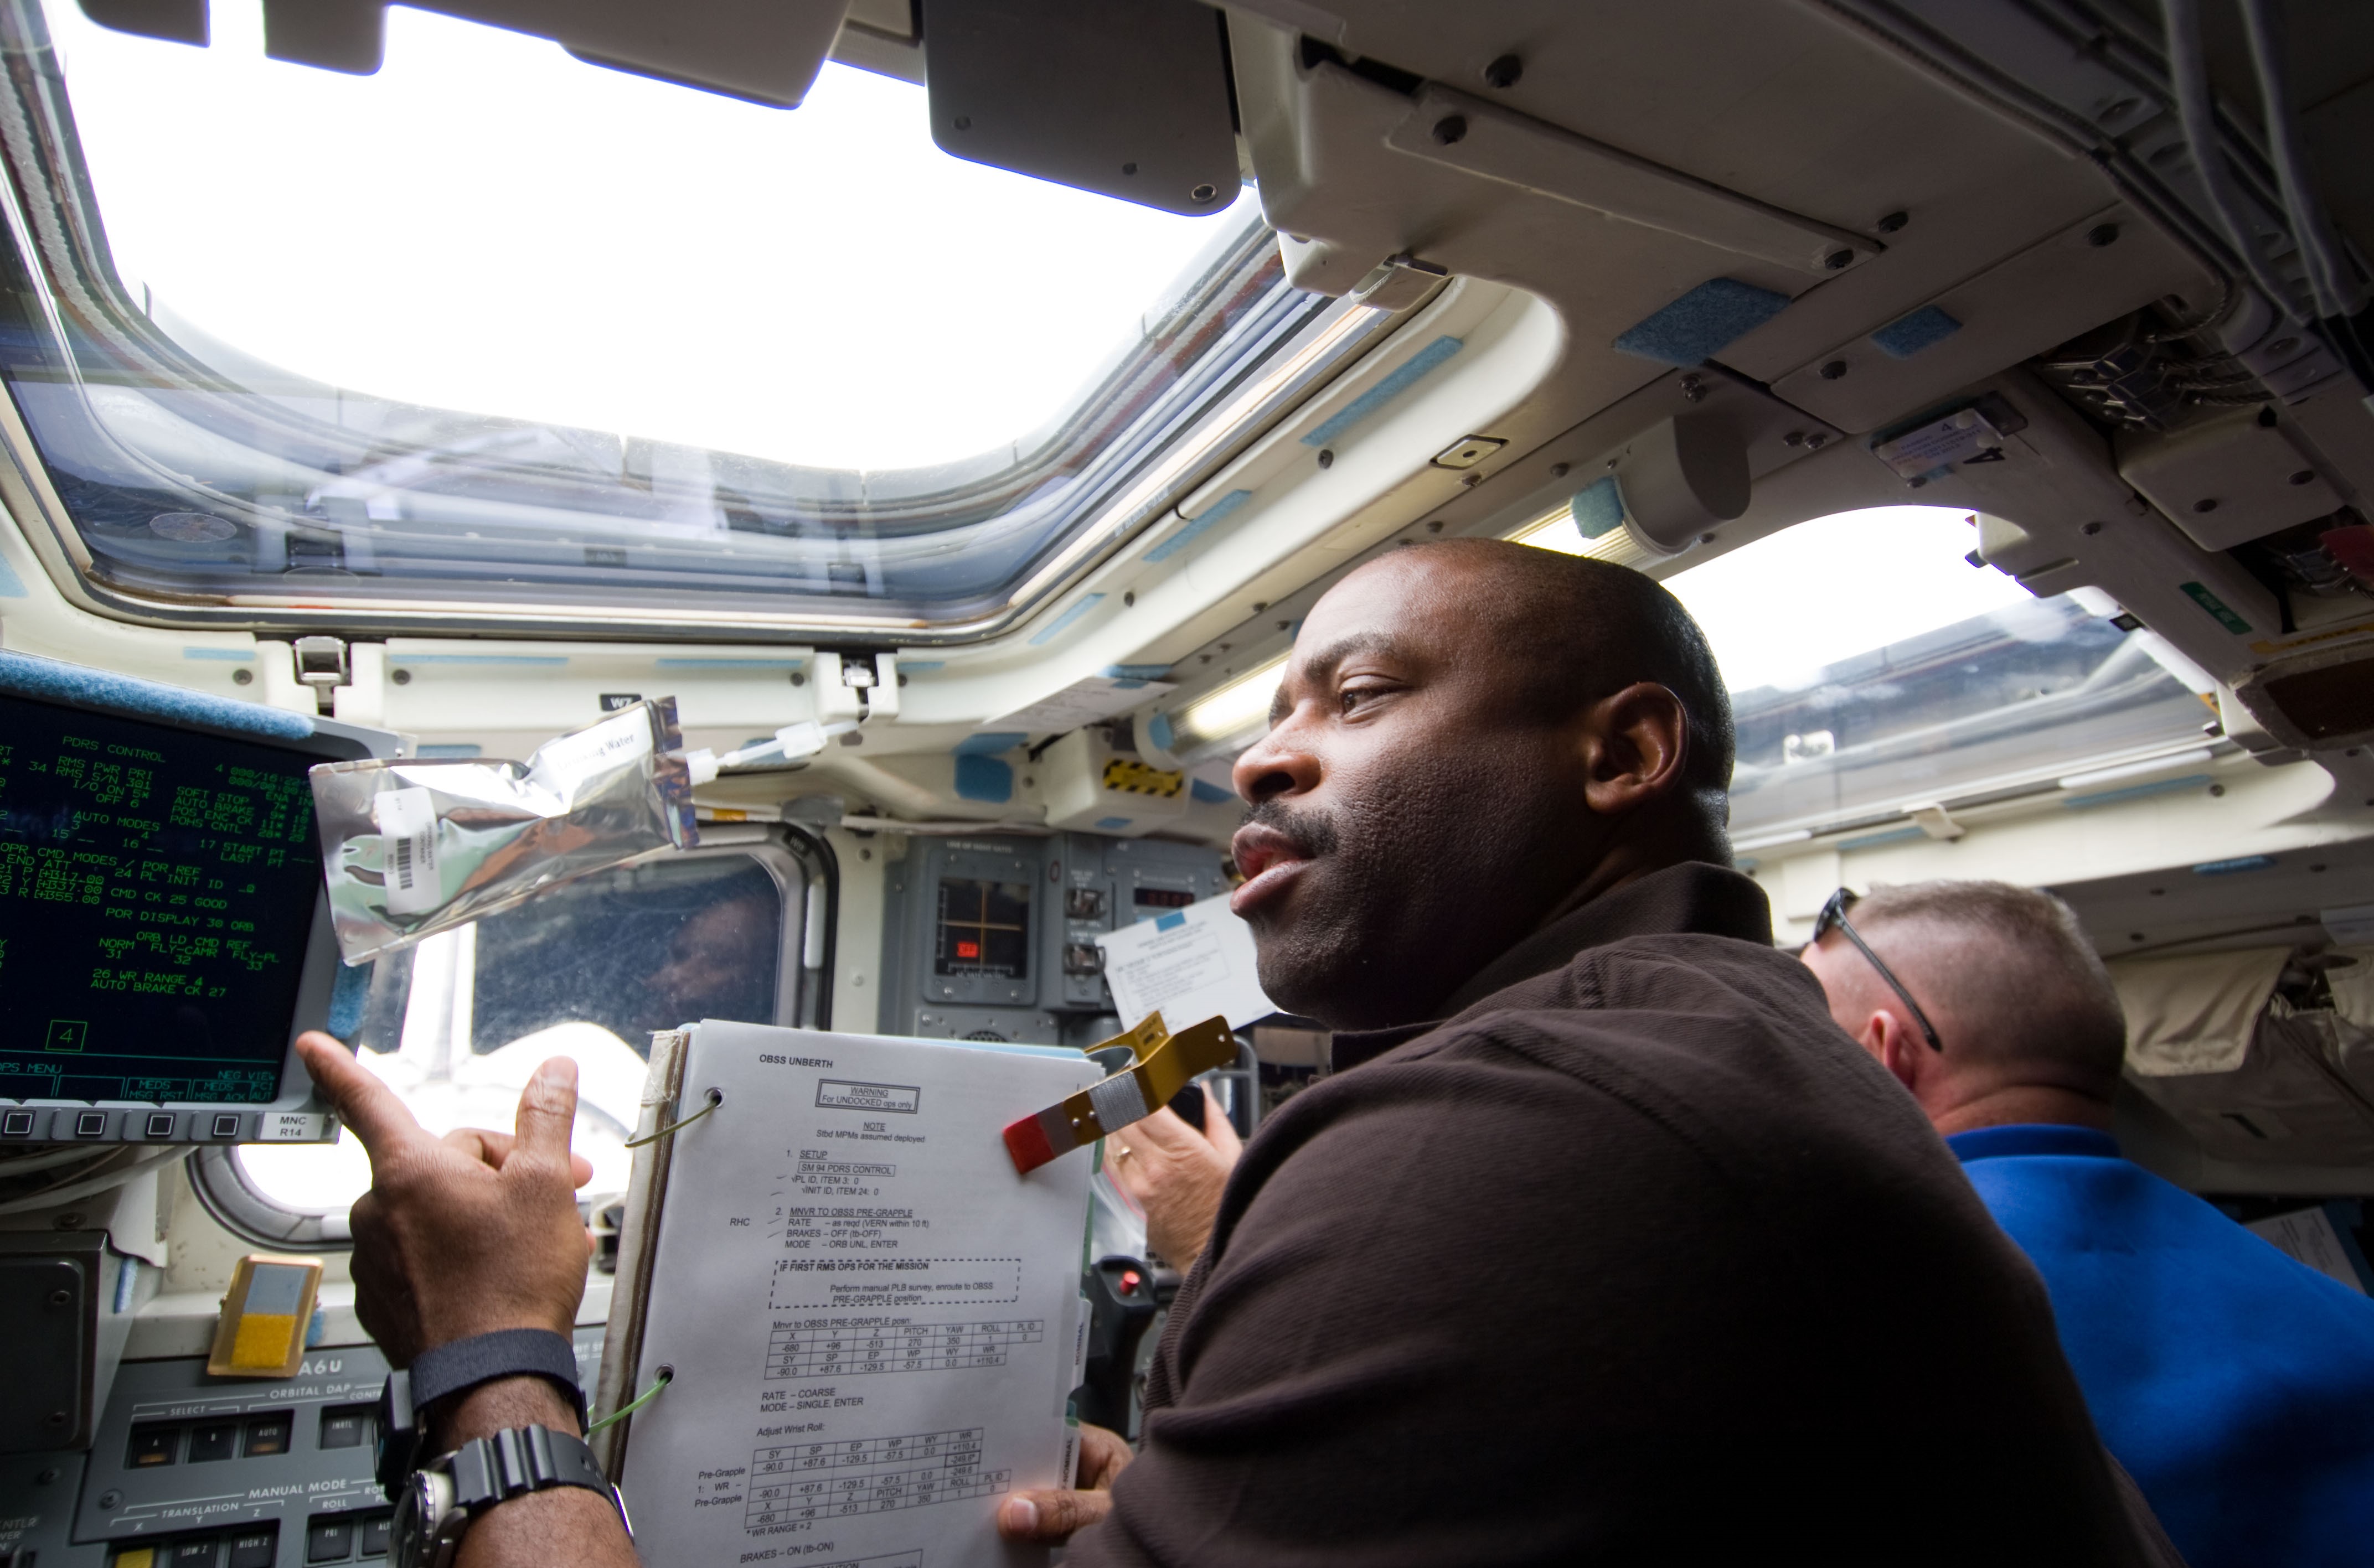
1111 823
1405 377
77 686
1134 672
1703 323
1209 794
985 779
1598 507
1158 730
1170 922
1908 336
1056 627
348 994
989 742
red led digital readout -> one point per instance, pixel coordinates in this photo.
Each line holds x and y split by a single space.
968 950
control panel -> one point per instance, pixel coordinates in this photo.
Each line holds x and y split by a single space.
995 937
194 1472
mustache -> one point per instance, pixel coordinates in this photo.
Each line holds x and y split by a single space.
1313 833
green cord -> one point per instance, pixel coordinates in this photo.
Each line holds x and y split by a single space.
716 1098
667 1375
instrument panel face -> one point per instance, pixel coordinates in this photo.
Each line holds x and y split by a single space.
194 1471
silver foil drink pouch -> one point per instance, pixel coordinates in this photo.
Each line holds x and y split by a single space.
412 848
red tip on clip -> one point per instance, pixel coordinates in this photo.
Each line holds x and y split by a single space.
1027 1142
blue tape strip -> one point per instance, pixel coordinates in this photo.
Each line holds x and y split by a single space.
1055 628
985 779
544 660
11 585
2138 791
1170 922
1208 793
2228 867
729 663
1197 525
457 749
1872 840
1113 824
226 655
1703 323
1405 376
77 686
1138 671
1908 336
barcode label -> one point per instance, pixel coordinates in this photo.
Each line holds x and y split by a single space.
408 827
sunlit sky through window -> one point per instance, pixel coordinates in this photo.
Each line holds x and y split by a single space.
1779 610
490 225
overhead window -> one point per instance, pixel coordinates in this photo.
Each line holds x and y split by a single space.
497 328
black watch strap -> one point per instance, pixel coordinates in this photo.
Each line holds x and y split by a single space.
507 1352
518 1460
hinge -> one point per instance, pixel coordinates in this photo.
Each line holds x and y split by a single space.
321 664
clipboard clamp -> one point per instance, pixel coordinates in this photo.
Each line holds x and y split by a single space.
1162 1065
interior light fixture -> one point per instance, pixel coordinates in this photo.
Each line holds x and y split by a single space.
1225 719
1556 530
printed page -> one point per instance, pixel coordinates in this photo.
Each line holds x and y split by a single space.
1186 965
874 1323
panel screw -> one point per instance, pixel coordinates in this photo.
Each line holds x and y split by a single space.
50 1475
2305 476
1204 192
400 677
2217 789
1838 259
2205 505
1814 441
2102 234
2090 530
902 678
1503 72
1326 457
1434 525
799 678
1260 607
1706 538
110 1497
1893 222
1793 439
1450 128
1834 370
1129 599
1129 169
243 677
69 1221
964 122
1560 469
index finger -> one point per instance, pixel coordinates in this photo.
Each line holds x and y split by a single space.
364 1103
1165 1130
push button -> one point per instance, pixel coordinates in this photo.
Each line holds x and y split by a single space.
162 1123
227 1124
133 1557
214 1440
375 1530
153 1445
16 1124
268 1434
346 1426
91 1124
197 1554
329 1540
254 1549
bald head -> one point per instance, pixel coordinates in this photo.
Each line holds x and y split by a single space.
2019 997
1564 631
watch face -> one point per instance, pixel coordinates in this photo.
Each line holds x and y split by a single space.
411 1534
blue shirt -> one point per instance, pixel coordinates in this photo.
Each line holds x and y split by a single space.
2236 1385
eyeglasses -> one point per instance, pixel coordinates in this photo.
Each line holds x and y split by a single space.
1834 917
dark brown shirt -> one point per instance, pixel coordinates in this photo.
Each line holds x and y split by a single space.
1636 1259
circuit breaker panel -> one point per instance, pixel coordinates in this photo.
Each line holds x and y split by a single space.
995 937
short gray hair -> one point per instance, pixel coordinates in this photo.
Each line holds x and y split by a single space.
2013 965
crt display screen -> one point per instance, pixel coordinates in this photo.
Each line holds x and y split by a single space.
157 888
984 928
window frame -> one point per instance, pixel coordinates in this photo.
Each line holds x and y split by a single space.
1131 473
807 875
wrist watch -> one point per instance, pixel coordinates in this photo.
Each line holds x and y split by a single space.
438 1501
454 1368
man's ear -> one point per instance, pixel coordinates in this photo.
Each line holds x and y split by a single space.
1635 743
1897 1048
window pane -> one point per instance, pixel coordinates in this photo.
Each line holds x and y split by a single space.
584 971
497 326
